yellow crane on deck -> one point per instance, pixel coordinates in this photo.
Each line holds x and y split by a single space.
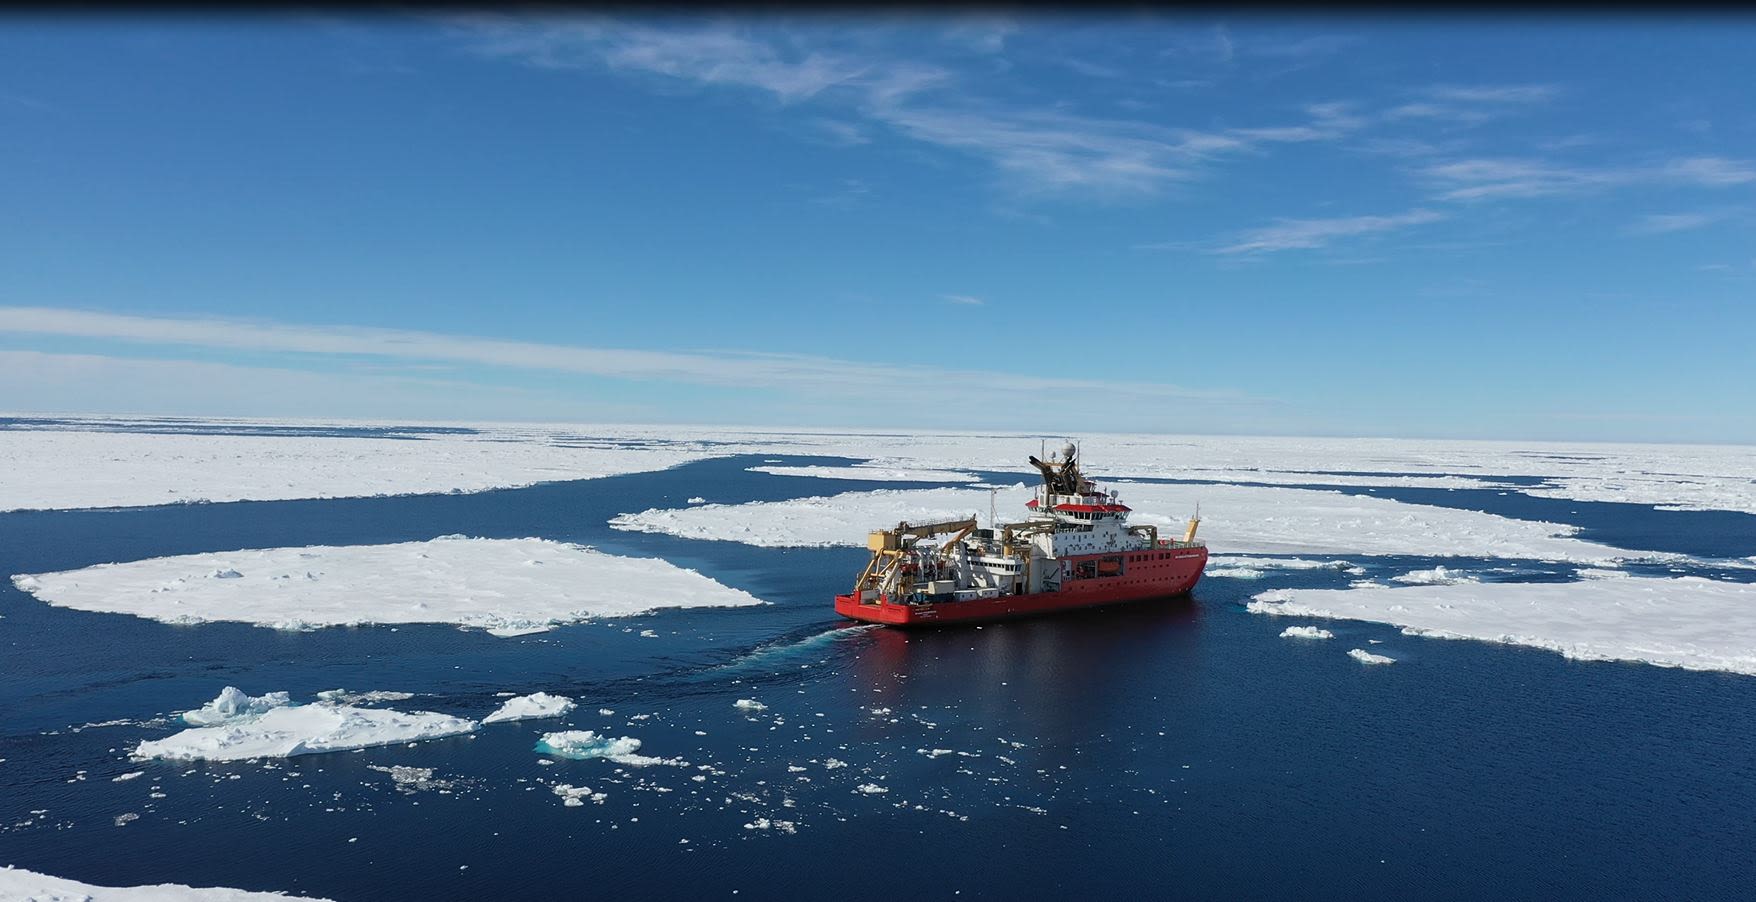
890 547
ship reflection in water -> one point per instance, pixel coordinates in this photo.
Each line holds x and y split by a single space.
1052 678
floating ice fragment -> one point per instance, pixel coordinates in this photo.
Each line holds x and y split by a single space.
1306 632
288 730
232 704
1365 657
871 789
344 697
585 744
527 707
1438 576
749 704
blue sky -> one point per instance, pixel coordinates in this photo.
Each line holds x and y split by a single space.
1518 228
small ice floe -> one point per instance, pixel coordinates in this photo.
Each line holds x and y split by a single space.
871 789
576 796
763 823
128 776
648 634
1438 576
933 753
344 697
833 763
1306 632
1365 657
123 820
749 704
412 779
528 707
284 730
584 744
697 500
232 704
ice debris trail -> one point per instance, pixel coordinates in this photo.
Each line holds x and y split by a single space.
508 587
20 884
1686 621
285 730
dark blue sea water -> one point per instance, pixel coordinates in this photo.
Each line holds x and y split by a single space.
1164 750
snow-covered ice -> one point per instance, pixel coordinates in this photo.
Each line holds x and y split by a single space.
583 744
232 704
749 704
1235 519
344 697
1438 576
1306 632
84 463
66 468
872 471
1365 657
30 886
488 584
529 707
1684 621
288 730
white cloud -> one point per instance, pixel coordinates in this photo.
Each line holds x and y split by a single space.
1038 150
1475 179
1305 234
793 374
1661 223
1493 93
1712 171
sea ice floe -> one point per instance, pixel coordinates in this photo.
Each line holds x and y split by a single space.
20 884
576 796
1438 576
869 472
1365 657
79 469
1684 621
232 704
1235 519
749 704
287 730
1306 632
88 463
584 744
479 583
412 779
527 707
344 697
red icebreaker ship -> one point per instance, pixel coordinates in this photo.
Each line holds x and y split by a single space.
1076 550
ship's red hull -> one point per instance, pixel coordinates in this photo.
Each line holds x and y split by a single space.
1145 574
